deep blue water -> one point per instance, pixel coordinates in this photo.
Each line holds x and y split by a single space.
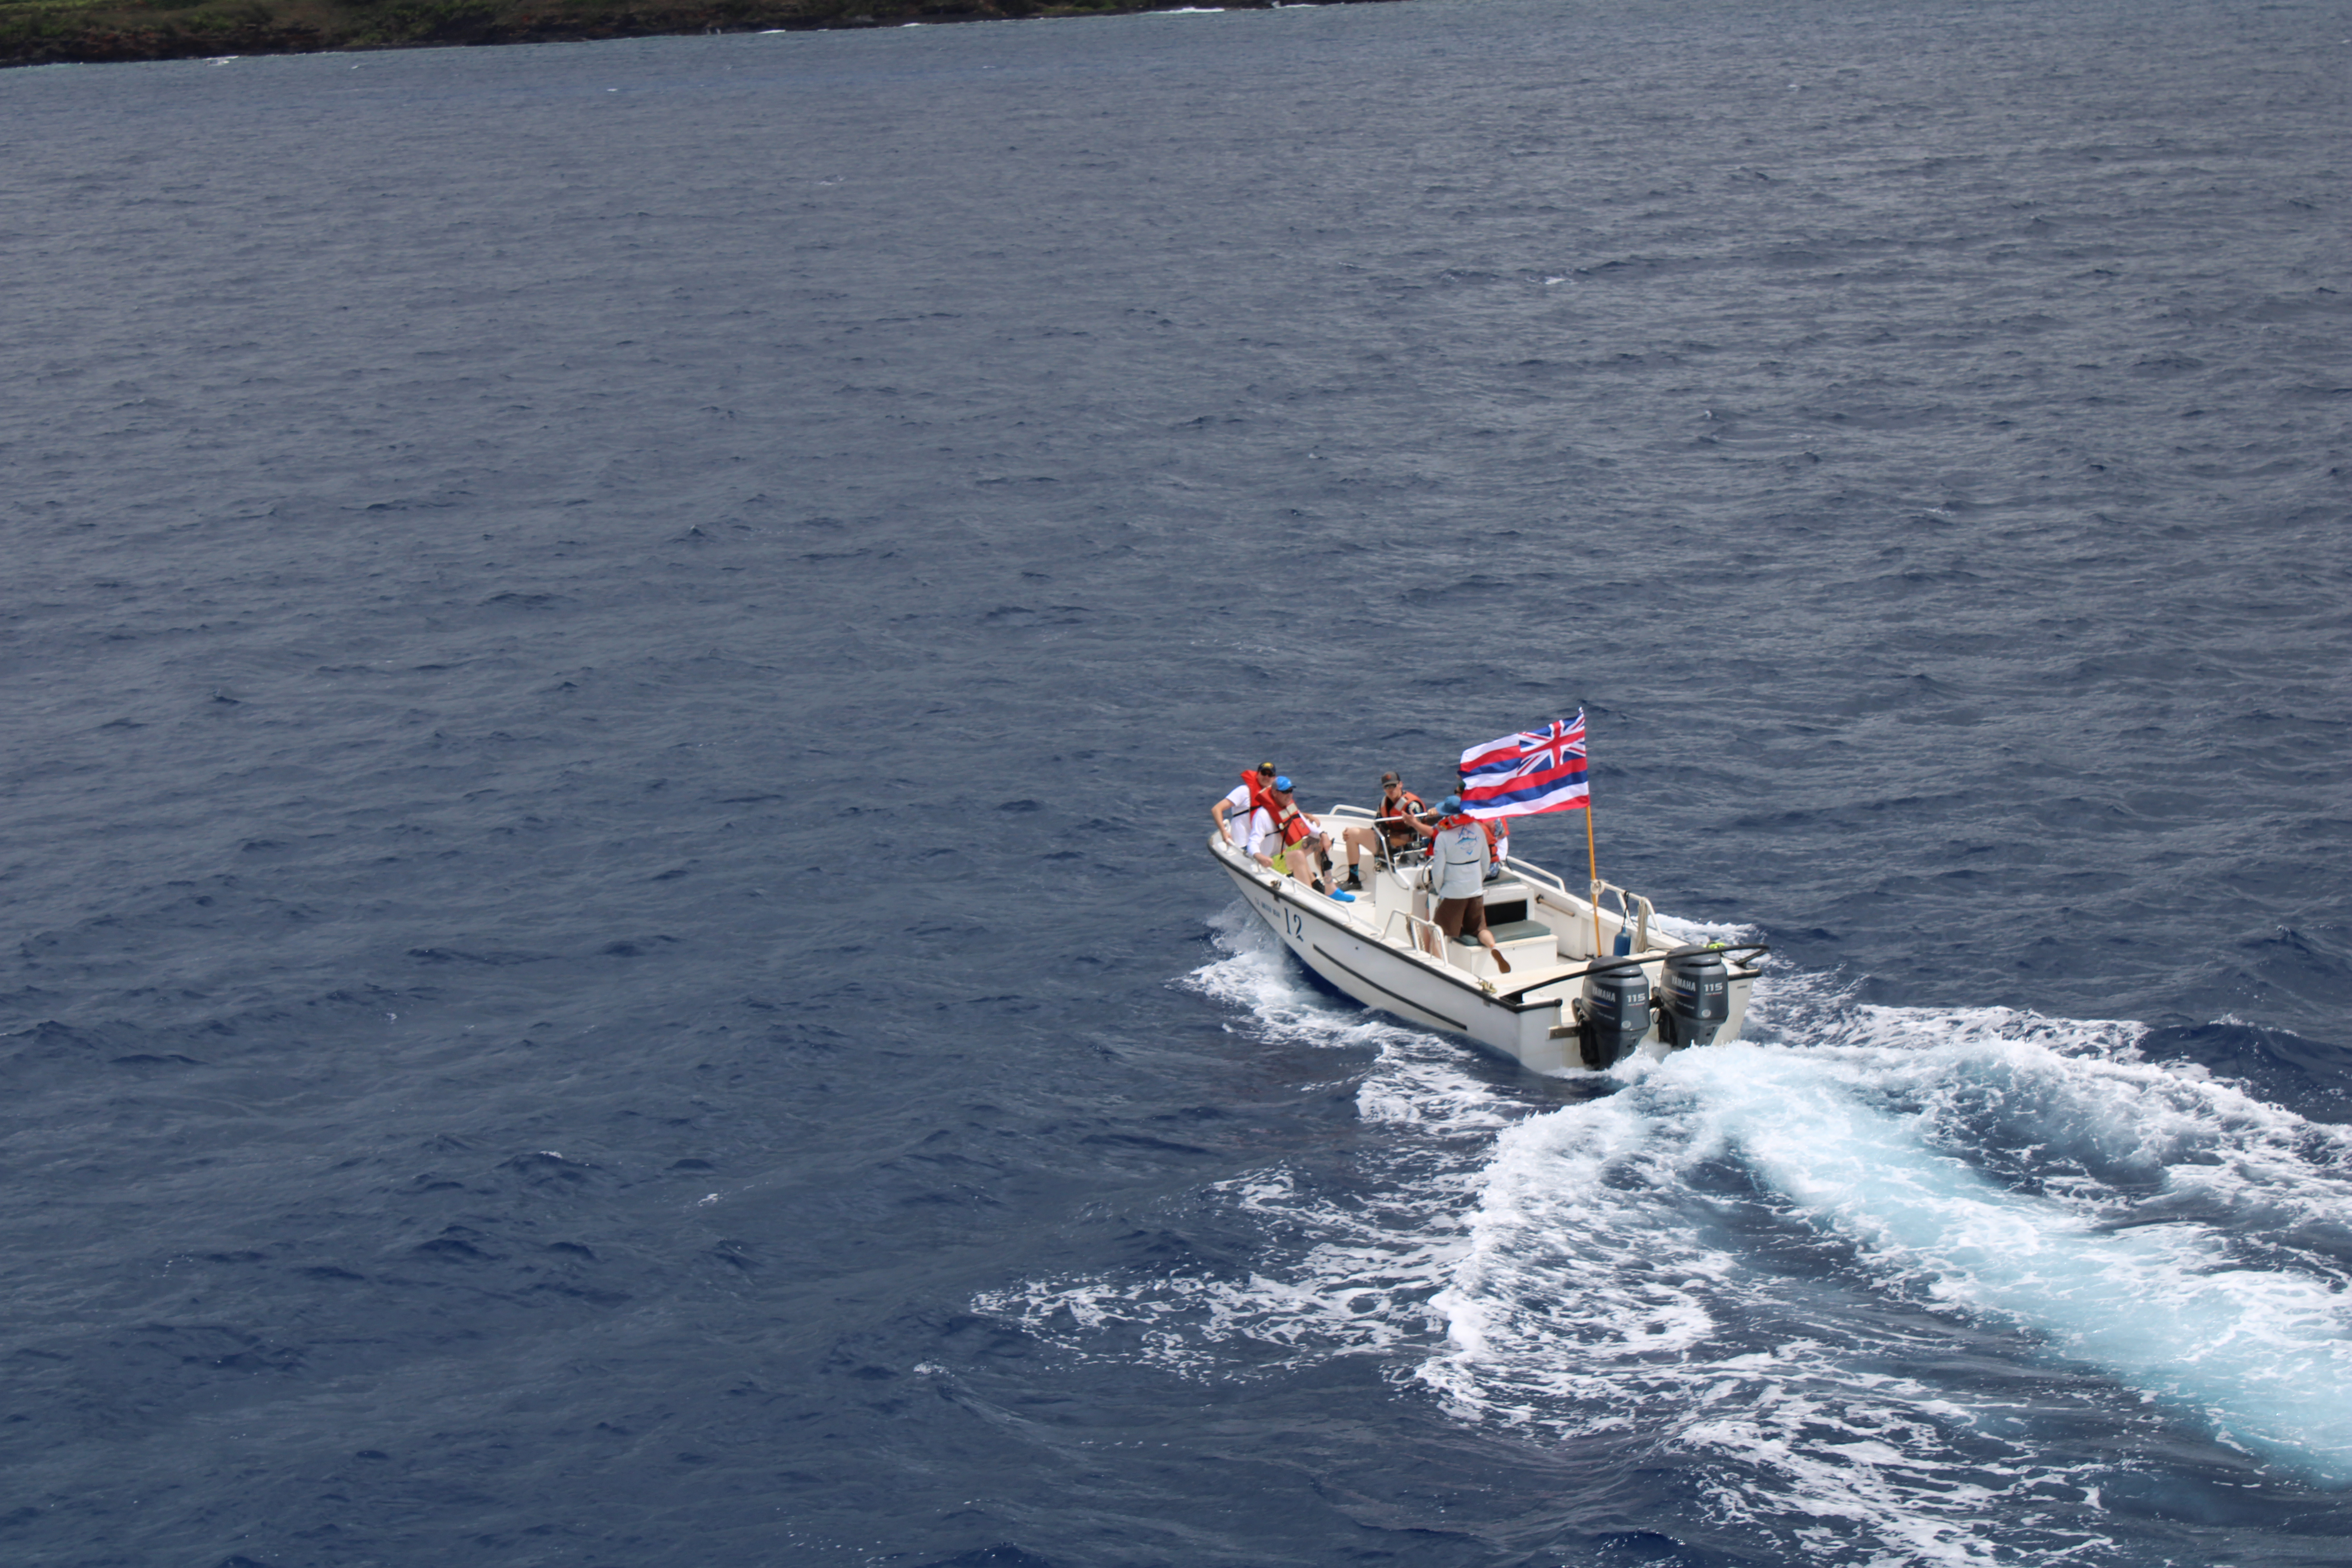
617 654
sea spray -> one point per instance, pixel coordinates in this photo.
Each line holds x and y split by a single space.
1778 1267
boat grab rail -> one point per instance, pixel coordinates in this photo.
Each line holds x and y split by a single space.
1528 868
1751 949
1626 915
1404 862
1414 926
1369 815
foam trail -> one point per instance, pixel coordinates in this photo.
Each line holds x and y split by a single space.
1602 1299
1630 1274
2264 1352
1841 1280
1346 1274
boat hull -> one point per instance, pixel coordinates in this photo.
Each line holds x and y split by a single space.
1366 950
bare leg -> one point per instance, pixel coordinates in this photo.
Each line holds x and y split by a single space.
1486 941
1448 922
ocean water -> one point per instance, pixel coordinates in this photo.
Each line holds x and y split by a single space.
618 656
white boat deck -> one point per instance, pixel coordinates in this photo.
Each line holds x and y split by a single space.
1536 922
1382 950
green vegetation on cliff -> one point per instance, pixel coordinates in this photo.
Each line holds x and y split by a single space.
41 32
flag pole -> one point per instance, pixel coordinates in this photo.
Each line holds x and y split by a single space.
1592 872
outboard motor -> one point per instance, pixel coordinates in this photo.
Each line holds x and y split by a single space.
1613 1016
1695 999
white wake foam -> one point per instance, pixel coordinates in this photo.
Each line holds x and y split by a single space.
1851 1271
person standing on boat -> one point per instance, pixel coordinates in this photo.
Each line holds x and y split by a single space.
1400 823
1232 811
1459 855
1498 838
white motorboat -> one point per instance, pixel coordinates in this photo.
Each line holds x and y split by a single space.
1587 986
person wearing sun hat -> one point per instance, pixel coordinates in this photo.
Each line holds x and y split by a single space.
1458 858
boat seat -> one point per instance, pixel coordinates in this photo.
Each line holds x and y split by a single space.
1527 945
1510 932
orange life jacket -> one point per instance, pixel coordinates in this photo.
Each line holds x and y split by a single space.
1285 817
1407 804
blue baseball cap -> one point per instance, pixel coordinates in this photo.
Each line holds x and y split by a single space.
1450 804
1282 782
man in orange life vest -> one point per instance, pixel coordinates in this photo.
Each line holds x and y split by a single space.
1399 824
1283 839
1232 811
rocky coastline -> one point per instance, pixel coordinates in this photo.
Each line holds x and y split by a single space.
60 32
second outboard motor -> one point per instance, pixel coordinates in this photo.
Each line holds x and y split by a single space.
1696 997
1614 1016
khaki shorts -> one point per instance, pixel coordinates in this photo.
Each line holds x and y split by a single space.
1462 917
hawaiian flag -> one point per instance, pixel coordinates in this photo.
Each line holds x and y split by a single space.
1531 772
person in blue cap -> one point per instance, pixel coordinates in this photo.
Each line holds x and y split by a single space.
1282 838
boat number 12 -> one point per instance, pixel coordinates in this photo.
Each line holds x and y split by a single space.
1296 924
